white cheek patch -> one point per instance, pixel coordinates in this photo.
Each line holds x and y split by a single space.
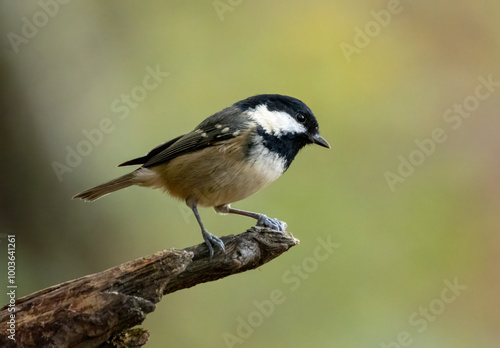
275 122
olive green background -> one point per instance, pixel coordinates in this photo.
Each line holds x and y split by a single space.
378 89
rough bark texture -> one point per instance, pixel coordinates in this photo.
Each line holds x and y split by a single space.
99 310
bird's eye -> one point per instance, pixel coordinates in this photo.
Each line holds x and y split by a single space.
301 118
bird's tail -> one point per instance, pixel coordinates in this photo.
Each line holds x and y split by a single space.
111 186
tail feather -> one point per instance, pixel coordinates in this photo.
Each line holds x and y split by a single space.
114 185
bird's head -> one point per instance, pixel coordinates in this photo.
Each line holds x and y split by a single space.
283 115
284 123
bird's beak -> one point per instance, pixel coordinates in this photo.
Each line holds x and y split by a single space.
318 139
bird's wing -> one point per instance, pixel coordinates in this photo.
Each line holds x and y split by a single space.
224 125
150 154
193 141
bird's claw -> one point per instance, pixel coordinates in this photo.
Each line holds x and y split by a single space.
211 240
275 224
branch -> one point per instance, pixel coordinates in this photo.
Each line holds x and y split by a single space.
99 310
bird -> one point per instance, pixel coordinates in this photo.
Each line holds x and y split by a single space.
229 156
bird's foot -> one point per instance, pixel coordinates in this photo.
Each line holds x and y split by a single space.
275 224
211 240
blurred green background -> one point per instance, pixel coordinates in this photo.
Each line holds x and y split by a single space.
380 77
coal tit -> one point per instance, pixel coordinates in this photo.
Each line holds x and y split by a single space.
226 158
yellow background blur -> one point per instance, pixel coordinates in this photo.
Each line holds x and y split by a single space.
380 77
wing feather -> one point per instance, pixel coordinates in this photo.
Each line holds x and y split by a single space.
150 154
224 125
190 142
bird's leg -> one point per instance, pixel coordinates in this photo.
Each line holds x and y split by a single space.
262 220
209 238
